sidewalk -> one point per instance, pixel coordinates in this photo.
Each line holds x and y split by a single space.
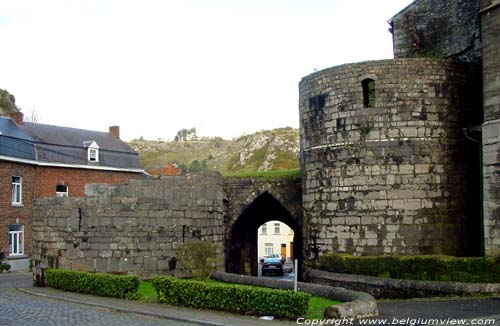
195 316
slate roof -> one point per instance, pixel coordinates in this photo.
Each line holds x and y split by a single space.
64 145
14 142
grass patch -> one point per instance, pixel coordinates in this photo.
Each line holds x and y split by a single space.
268 175
317 306
147 292
314 311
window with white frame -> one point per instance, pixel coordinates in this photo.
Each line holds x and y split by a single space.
17 190
93 155
62 191
277 228
16 239
263 229
268 249
92 151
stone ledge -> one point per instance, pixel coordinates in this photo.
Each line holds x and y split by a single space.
399 289
356 304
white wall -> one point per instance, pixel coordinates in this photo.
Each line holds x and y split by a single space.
267 235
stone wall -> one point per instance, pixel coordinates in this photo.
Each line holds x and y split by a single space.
132 229
393 178
444 28
490 20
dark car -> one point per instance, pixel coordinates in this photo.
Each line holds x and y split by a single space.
272 266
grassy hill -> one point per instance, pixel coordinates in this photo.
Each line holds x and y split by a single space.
268 150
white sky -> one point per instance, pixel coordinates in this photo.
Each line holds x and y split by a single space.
156 66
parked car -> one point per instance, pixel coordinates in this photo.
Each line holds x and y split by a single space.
283 259
272 266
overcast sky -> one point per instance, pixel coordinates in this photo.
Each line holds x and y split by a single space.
156 66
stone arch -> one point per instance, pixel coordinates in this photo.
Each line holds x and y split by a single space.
241 250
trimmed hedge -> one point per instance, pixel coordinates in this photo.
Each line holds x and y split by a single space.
233 298
428 268
106 285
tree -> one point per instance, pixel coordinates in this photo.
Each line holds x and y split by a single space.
34 116
186 134
199 258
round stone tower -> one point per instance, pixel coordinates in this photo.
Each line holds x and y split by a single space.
384 157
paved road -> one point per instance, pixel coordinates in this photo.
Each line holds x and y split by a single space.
19 309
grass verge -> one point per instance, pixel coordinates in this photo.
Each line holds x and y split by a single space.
268 175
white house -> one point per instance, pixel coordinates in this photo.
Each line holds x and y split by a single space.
275 237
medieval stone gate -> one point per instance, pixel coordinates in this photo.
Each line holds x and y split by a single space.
136 228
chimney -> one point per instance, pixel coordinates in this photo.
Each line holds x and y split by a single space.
17 117
115 131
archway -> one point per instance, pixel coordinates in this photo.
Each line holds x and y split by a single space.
242 257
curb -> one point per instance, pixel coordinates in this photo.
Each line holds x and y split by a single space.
356 304
125 310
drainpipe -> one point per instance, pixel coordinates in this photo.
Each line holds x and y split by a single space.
481 196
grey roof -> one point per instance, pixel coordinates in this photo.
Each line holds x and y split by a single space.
14 142
64 145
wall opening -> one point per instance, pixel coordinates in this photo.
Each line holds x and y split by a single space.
317 102
368 93
264 212
275 240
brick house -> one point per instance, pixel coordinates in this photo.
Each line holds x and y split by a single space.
38 160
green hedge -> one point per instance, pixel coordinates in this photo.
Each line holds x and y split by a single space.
433 268
106 285
233 298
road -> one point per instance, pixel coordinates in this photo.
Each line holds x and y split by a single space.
19 309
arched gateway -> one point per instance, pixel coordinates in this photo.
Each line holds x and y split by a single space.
250 204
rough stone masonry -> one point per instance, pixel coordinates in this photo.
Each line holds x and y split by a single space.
132 228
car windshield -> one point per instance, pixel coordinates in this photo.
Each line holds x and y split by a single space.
272 260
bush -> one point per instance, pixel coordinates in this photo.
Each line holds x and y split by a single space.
199 258
432 268
233 298
106 285
4 267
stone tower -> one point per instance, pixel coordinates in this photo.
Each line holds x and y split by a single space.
391 150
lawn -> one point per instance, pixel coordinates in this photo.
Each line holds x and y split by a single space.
315 310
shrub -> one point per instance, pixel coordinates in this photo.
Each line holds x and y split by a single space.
106 285
233 298
199 258
4 267
432 268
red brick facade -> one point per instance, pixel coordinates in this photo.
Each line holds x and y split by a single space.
48 178
16 214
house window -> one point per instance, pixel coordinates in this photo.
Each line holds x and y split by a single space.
92 151
16 190
263 229
317 102
93 155
61 191
16 239
368 93
277 227
268 249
